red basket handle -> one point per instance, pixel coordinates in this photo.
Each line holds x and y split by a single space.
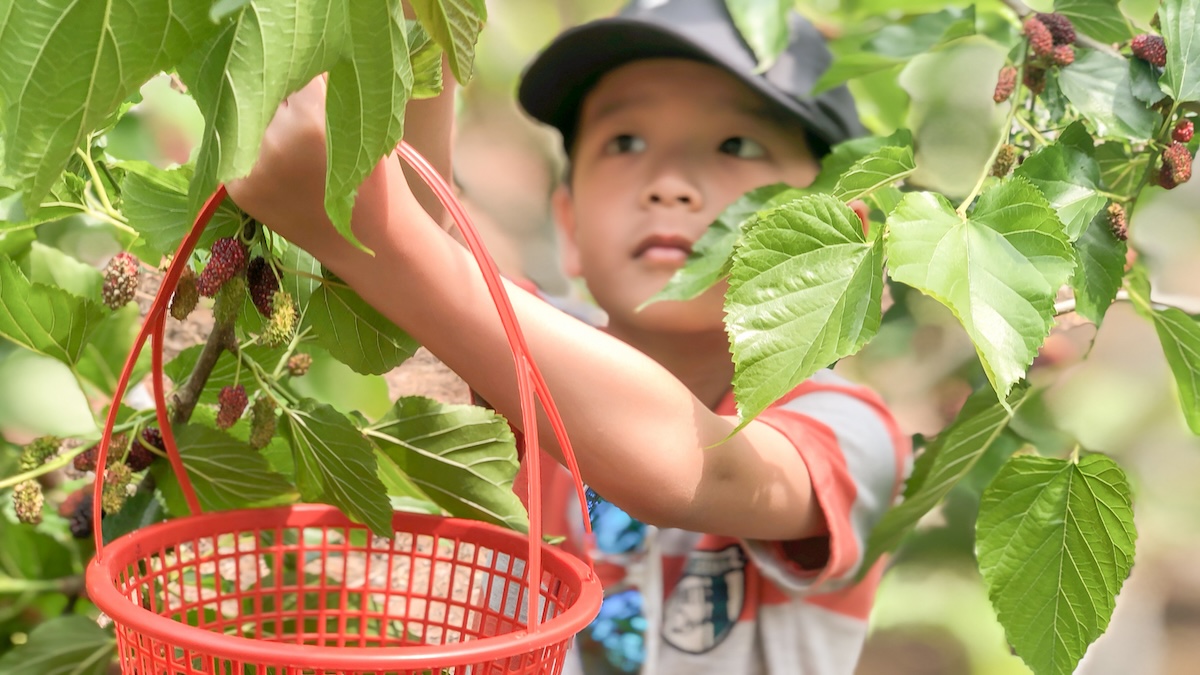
530 382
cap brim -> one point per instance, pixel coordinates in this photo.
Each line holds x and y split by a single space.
556 82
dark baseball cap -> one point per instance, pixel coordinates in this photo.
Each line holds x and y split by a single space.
555 83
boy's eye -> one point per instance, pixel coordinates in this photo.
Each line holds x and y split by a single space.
625 143
740 146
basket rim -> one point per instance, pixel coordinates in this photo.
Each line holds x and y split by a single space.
103 593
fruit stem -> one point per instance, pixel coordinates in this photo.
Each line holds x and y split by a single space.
188 394
287 354
1005 134
97 185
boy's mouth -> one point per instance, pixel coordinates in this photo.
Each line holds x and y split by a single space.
664 248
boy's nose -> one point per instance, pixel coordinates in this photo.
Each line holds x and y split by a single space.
671 189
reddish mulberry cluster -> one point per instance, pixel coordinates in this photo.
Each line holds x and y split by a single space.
1182 133
231 404
228 257
1035 79
1006 158
1005 83
1062 55
1176 166
1041 41
1150 48
120 280
1060 27
140 456
1117 222
86 460
298 365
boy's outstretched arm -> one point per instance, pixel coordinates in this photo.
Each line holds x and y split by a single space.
642 439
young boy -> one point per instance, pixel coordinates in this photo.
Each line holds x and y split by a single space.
759 538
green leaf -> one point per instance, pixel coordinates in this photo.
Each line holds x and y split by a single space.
846 154
28 553
105 352
923 33
878 169
143 509
463 457
1098 273
356 333
239 77
998 271
1179 335
64 645
1143 82
1118 170
1180 21
1069 179
64 200
426 58
225 8
331 381
854 65
302 285
763 25
227 473
945 462
335 464
1099 85
46 319
368 90
70 65
455 26
1100 19
52 267
155 202
1055 542
804 291
712 255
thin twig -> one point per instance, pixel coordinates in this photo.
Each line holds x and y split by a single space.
187 395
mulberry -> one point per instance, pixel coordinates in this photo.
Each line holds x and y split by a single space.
37 452
186 295
79 520
1060 27
1063 55
1116 221
1005 159
1178 162
1182 133
262 423
230 300
120 280
1040 39
27 501
263 282
117 481
1005 83
1035 79
228 257
283 319
1150 48
298 364
86 460
232 403
140 456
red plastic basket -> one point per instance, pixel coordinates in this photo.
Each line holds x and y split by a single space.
302 589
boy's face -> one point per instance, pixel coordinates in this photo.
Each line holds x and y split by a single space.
662 147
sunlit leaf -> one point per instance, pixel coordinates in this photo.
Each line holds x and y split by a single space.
43 318
1055 542
455 26
1099 86
356 333
1180 21
227 473
1098 274
1069 179
1100 19
763 25
878 169
426 58
1179 335
155 202
804 291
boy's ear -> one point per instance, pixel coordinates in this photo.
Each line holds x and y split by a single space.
564 219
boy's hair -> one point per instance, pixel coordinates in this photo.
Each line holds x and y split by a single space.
556 82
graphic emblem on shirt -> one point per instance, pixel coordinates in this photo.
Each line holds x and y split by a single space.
707 601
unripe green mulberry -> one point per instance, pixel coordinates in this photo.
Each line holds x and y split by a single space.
37 452
1006 158
283 319
27 501
230 300
262 422
186 295
120 280
117 482
298 364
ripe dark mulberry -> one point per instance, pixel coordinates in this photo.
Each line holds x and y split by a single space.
1060 27
1150 48
1063 55
1040 39
186 295
1177 161
86 460
140 456
1035 79
263 282
298 364
232 403
120 280
228 257
1005 83
1117 221
79 520
1005 159
1182 133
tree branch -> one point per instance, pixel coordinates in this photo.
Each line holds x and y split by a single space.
188 394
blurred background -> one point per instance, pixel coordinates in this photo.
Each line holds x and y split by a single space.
932 615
